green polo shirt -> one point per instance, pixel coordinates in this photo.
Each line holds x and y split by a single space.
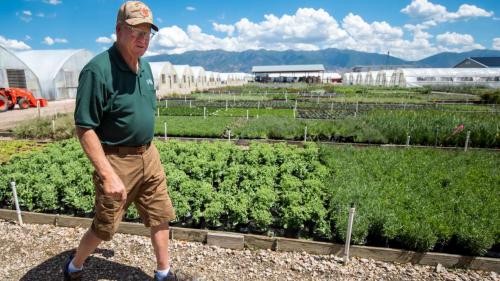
117 103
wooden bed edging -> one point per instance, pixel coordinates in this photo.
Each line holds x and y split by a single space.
252 241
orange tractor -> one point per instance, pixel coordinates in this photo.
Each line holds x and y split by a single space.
9 97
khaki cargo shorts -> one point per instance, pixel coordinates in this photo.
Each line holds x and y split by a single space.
146 185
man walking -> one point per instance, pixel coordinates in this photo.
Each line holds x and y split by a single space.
114 118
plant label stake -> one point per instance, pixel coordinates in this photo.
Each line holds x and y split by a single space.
190 106
16 202
467 141
229 135
158 111
258 104
247 114
165 130
166 103
204 112
408 141
305 133
226 104
53 126
352 210
38 107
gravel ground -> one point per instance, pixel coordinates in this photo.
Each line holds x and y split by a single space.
36 252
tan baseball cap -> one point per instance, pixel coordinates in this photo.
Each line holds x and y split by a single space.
134 13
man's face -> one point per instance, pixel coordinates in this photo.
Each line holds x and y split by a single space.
135 38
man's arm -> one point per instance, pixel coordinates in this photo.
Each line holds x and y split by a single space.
112 184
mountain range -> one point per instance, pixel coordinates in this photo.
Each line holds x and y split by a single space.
332 59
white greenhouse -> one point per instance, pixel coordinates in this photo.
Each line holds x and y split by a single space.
370 78
383 78
199 78
185 79
15 73
56 70
417 77
360 78
166 81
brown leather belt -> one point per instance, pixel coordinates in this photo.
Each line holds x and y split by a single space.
135 150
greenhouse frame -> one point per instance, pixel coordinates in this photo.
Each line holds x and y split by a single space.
16 74
57 70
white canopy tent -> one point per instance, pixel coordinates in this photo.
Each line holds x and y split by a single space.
57 70
16 74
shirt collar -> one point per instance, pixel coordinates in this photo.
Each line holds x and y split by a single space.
118 59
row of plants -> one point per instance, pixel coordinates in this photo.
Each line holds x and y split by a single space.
418 199
334 103
12 147
425 127
352 93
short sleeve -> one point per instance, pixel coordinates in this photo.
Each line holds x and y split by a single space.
89 100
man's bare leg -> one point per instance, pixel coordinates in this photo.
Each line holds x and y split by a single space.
159 239
87 246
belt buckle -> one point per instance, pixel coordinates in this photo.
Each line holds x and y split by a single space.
141 149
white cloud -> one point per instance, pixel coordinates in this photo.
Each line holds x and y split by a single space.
13 45
453 38
456 42
51 41
438 13
40 15
227 28
190 8
52 2
48 41
106 40
312 29
61 40
496 44
25 15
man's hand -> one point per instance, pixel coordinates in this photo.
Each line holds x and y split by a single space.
113 187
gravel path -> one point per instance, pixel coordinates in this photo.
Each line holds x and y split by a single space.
36 252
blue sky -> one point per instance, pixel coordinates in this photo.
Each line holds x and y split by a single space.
410 29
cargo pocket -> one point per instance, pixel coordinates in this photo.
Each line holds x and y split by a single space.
107 216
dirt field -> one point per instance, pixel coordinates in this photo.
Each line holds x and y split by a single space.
11 118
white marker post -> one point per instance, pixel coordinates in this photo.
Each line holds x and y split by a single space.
16 202
467 141
204 112
226 104
229 135
247 114
165 130
53 126
408 140
305 133
38 107
350 221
